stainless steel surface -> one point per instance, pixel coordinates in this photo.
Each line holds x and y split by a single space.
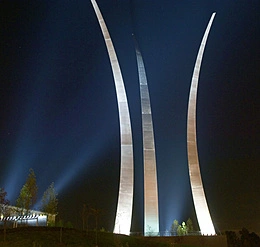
199 199
151 215
125 197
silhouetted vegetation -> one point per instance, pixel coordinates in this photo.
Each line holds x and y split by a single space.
243 239
4 209
185 228
49 200
28 193
28 197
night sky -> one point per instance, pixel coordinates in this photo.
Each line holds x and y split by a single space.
59 116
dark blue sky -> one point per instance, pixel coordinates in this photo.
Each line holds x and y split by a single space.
59 112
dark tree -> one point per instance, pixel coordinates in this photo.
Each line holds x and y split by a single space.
174 228
232 239
245 237
96 212
249 239
49 203
4 208
189 226
254 240
4 203
28 194
85 213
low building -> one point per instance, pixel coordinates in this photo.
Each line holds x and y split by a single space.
14 217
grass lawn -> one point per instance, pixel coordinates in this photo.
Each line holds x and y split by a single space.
54 236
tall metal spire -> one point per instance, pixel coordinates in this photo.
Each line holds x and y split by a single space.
125 197
199 199
151 215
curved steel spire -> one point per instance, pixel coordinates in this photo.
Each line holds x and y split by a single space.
199 199
151 215
125 197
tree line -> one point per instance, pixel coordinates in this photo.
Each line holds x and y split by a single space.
28 198
243 239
